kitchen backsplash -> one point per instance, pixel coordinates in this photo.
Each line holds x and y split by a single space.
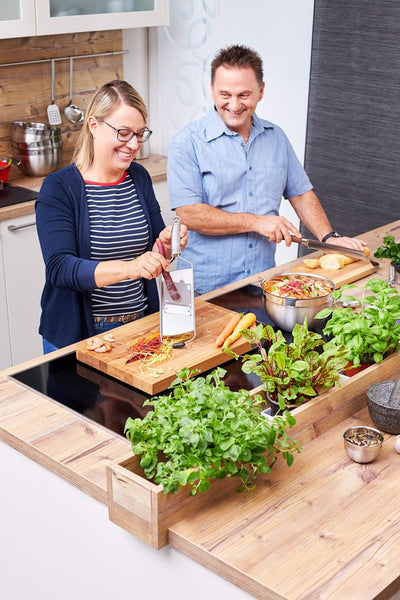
25 90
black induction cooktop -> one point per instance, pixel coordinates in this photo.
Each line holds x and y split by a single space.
14 194
109 402
99 397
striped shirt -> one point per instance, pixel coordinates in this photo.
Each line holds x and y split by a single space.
118 231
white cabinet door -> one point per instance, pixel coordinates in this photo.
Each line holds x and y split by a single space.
58 16
5 347
161 192
17 18
24 280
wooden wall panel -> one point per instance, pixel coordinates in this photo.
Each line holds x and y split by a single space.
25 90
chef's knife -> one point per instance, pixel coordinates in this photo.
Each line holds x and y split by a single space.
329 248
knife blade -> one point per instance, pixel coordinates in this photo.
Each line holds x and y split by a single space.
329 248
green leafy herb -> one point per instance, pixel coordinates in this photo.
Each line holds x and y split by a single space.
369 331
390 249
203 430
292 373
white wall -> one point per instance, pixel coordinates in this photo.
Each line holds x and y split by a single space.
180 55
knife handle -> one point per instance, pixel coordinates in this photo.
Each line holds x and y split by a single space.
299 240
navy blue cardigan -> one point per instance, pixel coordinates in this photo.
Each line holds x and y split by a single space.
62 220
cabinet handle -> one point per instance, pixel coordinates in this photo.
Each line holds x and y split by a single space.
16 227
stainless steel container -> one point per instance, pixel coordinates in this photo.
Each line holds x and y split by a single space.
37 161
286 312
37 147
362 444
25 132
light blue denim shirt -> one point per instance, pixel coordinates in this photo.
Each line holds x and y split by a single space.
207 162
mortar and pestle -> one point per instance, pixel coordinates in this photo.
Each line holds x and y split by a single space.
383 401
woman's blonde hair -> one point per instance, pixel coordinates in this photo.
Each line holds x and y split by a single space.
109 97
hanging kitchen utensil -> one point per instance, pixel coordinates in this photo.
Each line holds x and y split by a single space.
177 317
53 112
316 245
71 111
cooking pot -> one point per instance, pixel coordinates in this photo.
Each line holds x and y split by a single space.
286 312
38 161
25 132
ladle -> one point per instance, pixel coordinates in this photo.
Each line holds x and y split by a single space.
72 112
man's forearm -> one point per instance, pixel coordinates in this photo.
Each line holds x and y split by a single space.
310 212
209 220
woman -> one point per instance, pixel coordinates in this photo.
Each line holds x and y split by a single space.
98 220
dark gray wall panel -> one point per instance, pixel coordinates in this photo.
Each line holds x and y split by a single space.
353 132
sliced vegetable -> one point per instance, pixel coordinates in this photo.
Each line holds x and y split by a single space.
227 330
245 322
169 283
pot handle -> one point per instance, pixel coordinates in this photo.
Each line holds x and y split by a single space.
16 161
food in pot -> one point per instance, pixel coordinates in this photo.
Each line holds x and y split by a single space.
297 286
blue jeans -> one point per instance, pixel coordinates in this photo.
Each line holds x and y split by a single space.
48 346
103 327
99 328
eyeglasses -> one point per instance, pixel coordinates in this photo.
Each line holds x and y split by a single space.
125 135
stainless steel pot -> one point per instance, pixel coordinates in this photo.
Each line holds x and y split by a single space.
286 312
25 132
37 162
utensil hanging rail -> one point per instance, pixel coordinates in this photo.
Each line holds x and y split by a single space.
43 60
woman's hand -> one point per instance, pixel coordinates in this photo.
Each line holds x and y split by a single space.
165 238
148 266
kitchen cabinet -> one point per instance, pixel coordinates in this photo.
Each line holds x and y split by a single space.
161 192
23 278
49 17
17 19
5 348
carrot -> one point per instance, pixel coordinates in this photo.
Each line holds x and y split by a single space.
227 330
245 322
169 283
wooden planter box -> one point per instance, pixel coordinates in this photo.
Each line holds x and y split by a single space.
141 507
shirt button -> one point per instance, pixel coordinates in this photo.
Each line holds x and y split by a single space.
250 193
250 245
248 271
250 168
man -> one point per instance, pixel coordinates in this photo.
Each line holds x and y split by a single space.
227 173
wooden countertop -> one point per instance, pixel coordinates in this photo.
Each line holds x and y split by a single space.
246 538
155 164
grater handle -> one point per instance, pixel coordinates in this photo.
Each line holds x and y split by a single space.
176 237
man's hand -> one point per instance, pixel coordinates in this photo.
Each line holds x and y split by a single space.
277 229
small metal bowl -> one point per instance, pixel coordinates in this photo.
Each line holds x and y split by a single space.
286 312
362 444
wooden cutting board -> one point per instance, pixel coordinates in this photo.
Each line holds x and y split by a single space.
350 273
201 353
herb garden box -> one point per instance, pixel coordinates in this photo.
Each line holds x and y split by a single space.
140 506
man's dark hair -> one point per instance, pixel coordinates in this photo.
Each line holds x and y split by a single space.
238 56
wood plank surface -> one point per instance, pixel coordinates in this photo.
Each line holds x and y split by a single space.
201 353
348 274
58 438
324 528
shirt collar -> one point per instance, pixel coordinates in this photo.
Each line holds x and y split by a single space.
215 127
